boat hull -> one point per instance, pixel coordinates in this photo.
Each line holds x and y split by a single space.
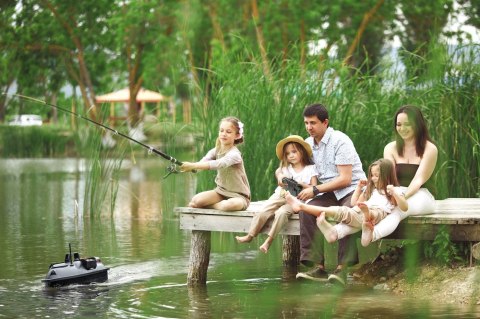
76 272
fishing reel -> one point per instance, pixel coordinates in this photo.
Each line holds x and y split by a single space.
172 169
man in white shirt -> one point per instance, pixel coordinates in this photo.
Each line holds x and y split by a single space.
340 170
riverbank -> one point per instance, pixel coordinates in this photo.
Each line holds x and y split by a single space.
457 285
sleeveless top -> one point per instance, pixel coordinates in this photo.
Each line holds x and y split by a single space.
406 173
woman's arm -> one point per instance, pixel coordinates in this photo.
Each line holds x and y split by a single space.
425 170
390 152
399 198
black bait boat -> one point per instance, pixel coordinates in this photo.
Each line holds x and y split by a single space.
76 270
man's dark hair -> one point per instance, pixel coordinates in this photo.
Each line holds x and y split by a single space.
318 110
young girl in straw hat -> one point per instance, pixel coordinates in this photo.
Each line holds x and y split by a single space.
295 162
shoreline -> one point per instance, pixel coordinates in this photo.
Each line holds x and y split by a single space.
457 285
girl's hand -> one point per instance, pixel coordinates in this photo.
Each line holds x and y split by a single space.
390 190
187 167
362 183
279 180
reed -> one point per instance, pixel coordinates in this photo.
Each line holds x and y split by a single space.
360 105
103 165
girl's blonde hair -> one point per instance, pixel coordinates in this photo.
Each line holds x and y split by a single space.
386 177
306 160
238 127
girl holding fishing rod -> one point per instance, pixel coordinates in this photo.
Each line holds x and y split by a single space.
232 192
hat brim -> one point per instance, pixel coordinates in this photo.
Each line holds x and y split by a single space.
292 138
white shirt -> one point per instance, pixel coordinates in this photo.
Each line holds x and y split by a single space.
336 148
380 201
304 176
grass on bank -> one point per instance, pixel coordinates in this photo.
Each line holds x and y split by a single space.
362 106
446 87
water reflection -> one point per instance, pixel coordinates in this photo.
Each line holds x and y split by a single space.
148 256
199 303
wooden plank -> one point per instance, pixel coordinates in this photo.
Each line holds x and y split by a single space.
429 231
461 215
230 223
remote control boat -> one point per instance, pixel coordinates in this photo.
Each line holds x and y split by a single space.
76 270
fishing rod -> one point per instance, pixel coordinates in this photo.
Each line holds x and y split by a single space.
174 162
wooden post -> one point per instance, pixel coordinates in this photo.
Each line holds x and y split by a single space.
291 250
112 114
199 258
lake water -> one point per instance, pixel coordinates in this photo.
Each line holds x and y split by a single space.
41 212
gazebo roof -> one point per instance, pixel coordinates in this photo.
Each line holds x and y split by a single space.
123 95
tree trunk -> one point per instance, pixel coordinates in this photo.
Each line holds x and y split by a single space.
199 258
83 76
291 250
260 39
366 20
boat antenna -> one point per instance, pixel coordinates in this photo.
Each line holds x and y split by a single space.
70 251
174 162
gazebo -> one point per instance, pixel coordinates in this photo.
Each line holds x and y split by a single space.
143 96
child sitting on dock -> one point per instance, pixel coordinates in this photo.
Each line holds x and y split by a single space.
233 190
295 162
373 203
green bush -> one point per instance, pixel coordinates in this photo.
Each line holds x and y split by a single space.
34 141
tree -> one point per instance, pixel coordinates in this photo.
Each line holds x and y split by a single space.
142 31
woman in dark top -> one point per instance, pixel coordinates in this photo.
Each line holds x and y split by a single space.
415 157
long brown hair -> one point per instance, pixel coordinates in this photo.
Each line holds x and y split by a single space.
306 160
416 119
387 176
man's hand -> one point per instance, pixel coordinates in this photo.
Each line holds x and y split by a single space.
306 194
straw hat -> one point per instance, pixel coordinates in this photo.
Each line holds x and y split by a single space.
292 138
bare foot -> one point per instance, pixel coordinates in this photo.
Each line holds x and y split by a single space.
244 239
320 219
364 208
293 202
264 247
367 233
326 228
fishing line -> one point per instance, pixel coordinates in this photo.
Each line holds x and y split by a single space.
171 169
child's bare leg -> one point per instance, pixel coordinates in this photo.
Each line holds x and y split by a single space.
327 229
230 205
297 206
244 239
367 225
266 244
205 199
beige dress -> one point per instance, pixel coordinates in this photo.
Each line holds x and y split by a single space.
231 179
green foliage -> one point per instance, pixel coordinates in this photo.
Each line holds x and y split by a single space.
361 106
34 141
442 249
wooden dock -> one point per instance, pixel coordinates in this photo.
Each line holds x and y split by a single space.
460 216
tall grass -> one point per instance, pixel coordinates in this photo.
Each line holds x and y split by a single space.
102 172
361 106
34 141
